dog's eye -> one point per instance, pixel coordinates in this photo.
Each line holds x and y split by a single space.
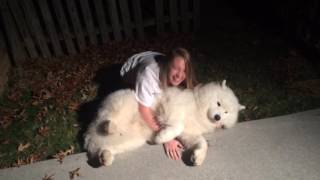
218 104
226 112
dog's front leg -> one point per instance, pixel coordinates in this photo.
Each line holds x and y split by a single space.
199 147
168 133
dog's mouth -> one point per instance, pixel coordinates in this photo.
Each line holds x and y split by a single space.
219 125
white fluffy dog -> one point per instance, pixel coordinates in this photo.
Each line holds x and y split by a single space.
183 114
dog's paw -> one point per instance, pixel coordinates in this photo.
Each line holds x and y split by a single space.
106 158
197 157
158 139
165 135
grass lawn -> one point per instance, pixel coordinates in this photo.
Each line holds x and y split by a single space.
40 109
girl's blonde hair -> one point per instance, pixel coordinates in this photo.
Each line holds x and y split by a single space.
190 81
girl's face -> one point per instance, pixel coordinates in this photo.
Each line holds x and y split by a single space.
177 72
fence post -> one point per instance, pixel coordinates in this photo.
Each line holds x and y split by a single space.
50 27
184 18
138 18
64 26
23 28
159 16
126 20
74 15
2 40
88 21
114 19
104 30
16 48
173 15
5 66
35 27
196 15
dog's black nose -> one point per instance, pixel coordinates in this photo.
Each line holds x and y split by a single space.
217 117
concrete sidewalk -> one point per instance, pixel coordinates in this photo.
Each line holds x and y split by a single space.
285 147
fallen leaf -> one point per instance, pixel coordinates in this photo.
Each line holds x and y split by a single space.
48 177
74 173
43 131
59 157
33 158
42 113
70 150
5 142
20 162
22 147
5 121
254 108
35 103
74 106
45 94
249 90
62 154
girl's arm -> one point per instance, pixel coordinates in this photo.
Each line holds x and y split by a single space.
173 148
148 117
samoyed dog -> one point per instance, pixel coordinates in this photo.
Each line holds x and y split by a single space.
183 114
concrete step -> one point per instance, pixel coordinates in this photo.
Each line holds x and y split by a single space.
284 147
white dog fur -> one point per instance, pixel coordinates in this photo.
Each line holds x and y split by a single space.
183 114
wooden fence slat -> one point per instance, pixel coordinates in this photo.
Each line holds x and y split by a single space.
138 18
35 27
313 10
126 20
23 28
173 15
72 9
34 34
64 26
101 20
196 15
112 7
17 51
50 27
184 15
159 16
88 21
2 40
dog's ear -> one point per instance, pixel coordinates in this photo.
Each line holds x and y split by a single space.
241 107
224 86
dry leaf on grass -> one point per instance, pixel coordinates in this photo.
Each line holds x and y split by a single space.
48 177
74 173
255 108
74 106
20 162
35 102
42 113
43 131
22 147
5 121
29 160
45 94
7 141
62 154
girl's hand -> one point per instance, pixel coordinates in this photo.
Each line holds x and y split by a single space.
173 149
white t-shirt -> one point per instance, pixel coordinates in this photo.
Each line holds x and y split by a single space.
147 85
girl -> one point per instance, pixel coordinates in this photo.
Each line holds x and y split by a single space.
151 72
